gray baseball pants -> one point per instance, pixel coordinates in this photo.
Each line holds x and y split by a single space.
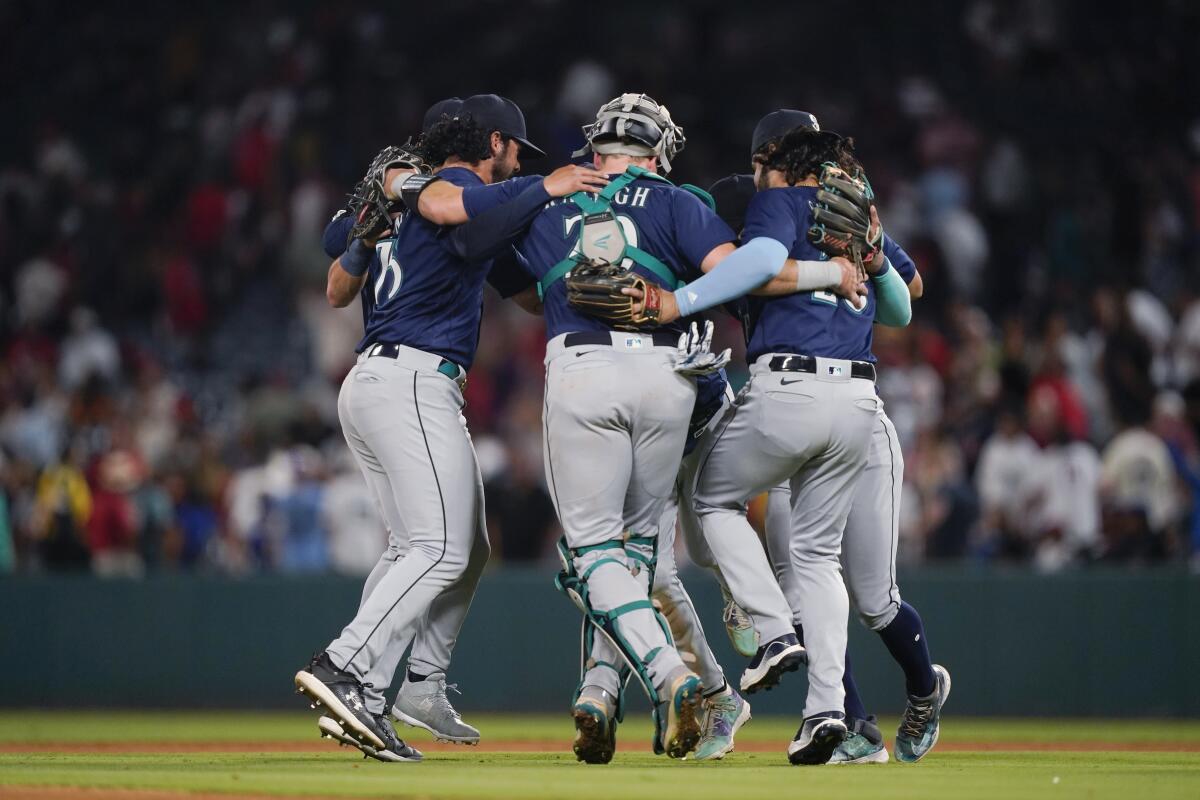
402 420
615 420
813 431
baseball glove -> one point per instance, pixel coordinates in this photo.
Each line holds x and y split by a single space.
596 290
369 202
842 218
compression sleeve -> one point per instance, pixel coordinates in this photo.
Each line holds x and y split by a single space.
489 233
893 305
742 271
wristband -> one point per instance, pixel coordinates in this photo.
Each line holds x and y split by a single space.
409 187
887 265
357 258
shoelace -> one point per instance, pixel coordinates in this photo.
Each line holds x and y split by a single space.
735 615
713 716
916 715
443 702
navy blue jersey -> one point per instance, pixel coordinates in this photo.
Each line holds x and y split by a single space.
421 294
669 223
810 323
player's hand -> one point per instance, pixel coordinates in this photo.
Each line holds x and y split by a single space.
852 287
694 355
668 309
574 178
873 260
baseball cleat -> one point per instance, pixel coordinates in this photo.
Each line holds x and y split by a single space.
780 655
724 715
682 713
396 750
424 704
817 738
595 727
739 626
863 745
341 694
919 725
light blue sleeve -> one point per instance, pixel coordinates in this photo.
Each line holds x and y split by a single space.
742 271
893 304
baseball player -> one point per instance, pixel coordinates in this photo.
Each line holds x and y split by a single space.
815 435
400 409
598 702
870 538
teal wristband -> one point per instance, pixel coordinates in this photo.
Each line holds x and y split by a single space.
357 258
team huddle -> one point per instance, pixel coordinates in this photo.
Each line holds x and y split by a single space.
642 434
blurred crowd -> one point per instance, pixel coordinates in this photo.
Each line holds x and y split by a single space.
170 365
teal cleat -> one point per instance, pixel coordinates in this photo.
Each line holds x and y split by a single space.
739 626
724 715
919 726
863 745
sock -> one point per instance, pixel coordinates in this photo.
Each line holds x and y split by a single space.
799 632
854 704
905 640
415 678
722 689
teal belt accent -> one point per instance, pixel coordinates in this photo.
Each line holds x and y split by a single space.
449 369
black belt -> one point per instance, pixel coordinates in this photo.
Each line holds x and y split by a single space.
446 367
858 369
601 338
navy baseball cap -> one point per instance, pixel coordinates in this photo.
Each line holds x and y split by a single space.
777 123
496 113
448 108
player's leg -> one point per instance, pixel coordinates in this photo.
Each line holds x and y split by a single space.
742 460
593 397
422 701
869 557
408 414
738 625
377 680
676 606
822 494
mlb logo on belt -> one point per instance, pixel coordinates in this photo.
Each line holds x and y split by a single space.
633 342
834 370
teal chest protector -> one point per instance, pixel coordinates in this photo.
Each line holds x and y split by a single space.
602 241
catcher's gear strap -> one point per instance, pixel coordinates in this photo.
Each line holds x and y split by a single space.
595 211
412 186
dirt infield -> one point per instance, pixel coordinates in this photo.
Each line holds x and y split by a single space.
547 745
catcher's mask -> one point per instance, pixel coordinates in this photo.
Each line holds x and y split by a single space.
635 125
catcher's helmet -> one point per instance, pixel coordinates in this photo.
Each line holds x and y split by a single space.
634 124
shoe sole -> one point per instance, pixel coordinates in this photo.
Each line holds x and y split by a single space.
880 757
819 749
413 722
593 745
741 720
331 729
683 721
309 685
789 660
945 674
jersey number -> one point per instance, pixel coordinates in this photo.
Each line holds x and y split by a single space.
829 298
389 267
627 227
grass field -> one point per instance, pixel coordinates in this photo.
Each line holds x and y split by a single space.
154 756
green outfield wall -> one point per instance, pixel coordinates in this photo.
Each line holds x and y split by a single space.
1091 643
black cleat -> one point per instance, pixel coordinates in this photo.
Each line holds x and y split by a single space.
780 655
340 693
817 738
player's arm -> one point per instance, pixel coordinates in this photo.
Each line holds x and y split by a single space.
838 275
511 278
443 203
341 286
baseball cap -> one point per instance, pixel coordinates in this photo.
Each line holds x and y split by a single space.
448 107
497 113
777 123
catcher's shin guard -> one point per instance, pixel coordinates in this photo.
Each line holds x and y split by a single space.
642 551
